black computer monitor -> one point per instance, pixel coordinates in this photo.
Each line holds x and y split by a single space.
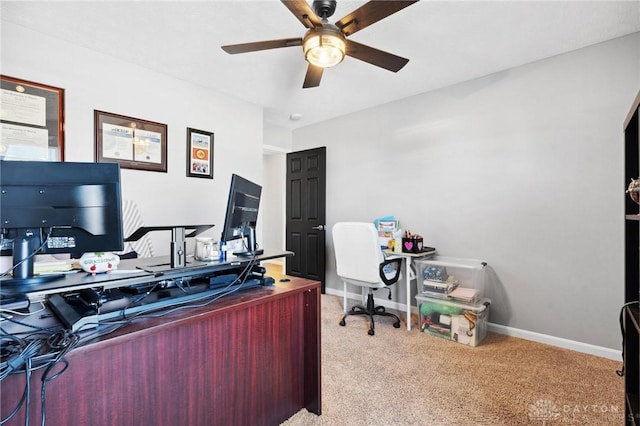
57 207
242 214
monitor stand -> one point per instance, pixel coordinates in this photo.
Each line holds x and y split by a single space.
252 249
24 279
248 253
178 244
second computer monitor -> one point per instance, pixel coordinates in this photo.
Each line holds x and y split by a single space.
242 214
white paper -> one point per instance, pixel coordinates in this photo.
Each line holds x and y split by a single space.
23 143
148 146
23 108
117 142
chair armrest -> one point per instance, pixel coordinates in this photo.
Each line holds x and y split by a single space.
396 276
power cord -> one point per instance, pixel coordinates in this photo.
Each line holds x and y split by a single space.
37 351
24 351
22 356
623 332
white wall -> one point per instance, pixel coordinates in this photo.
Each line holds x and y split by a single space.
273 201
523 168
97 82
277 142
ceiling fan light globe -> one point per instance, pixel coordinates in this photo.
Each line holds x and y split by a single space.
324 49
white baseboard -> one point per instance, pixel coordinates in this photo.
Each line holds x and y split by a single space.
613 354
379 301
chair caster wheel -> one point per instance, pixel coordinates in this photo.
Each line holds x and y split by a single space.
371 332
342 323
396 324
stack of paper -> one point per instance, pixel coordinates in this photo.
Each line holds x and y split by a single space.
464 294
441 289
51 267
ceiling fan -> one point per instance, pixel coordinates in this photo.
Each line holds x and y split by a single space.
326 44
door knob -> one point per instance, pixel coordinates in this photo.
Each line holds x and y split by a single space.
319 227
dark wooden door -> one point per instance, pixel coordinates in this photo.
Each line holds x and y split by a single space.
305 233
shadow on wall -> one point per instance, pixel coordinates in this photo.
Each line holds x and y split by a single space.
500 312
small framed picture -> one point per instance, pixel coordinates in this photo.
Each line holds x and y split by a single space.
131 142
199 153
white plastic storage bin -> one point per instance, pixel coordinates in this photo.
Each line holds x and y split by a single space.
460 322
451 278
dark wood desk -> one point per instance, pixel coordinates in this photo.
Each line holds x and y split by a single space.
252 358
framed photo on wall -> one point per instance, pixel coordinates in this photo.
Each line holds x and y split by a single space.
199 153
131 142
31 121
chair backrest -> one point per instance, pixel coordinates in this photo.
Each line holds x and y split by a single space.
358 252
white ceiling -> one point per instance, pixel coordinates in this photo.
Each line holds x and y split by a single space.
446 41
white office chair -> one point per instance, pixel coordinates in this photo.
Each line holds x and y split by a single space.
360 261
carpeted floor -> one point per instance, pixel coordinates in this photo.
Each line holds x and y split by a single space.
409 378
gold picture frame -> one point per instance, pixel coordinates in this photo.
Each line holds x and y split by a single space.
31 120
131 142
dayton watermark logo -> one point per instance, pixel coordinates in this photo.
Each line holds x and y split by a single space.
547 411
544 411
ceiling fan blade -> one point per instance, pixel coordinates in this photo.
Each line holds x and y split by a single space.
370 13
261 45
304 13
375 57
312 79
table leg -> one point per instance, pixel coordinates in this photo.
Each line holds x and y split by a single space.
407 277
344 297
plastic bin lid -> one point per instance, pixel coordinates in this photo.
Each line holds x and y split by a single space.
452 262
479 306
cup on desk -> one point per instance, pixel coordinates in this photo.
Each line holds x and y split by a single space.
412 245
206 249
397 245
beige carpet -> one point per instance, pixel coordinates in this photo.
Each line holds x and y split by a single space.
409 378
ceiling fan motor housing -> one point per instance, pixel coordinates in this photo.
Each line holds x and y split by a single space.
324 8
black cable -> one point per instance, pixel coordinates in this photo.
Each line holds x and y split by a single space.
623 332
66 342
10 319
61 341
140 298
28 391
26 358
114 325
19 359
17 407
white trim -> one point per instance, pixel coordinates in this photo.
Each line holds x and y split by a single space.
613 354
586 348
384 302
272 149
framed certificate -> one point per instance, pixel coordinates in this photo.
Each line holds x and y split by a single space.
131 142
199 153
31 120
